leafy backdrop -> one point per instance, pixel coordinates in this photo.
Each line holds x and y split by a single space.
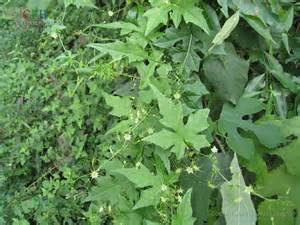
150 112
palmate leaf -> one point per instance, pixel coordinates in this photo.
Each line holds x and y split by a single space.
121 106
156 16
280 183
237 205
276 212
180 134
184 211
290 153
119 49
186 52
231 120
179 9
142 178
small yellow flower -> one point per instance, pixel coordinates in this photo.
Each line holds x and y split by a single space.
163 199
177 95
178 171
150 130
164 188
110 13
127 137
180 191
189 170
94 174
214 150
101 209
249 189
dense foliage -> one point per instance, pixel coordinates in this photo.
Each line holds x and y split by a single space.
149 112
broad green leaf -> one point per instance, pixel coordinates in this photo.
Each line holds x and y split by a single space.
131 218
228 74
140 177
149 197
276 212
254 86
188 58
121 106
224 4
201 191
280 183
176 17
227 28
290 155
106 190
259 27
184 211
156 16
171 37
181 134
128 27
194 15
166 139
170 111
237 205
119 49
286 79
231 120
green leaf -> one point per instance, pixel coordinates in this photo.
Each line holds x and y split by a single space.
121 105
198 181
171 37
119 49
276 212
128 27
259 27
189 59
287 187
237 205
140 177
228 74
181 134
231 120
194 15
224 4
286 79
106 190
149 197
156 16
290 155
227 28
184 211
